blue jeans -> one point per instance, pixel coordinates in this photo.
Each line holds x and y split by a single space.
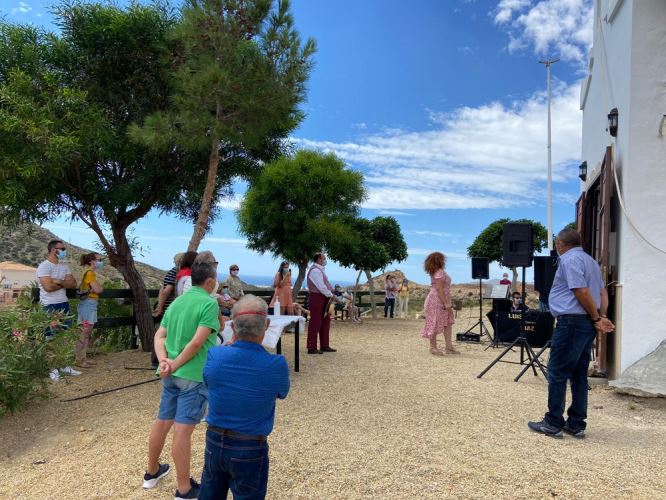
569 360
236 464
62 307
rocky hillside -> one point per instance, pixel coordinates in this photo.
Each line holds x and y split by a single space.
27 245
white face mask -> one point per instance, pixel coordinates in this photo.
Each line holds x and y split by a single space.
324 262
234 273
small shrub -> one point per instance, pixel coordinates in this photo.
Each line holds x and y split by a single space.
26 357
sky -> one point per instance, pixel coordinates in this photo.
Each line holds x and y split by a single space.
440 103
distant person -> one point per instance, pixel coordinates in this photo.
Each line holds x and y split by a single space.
166 296
283 290
517 305
403 299
579 301
225 300
244 381
320 291
234 282
167 292
184 275
438 307
505 279
352 311
88 295
391 290
182 341
54 278
543 301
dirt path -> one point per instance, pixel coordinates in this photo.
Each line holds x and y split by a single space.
381 418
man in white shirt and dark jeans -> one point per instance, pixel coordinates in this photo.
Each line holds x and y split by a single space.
54 278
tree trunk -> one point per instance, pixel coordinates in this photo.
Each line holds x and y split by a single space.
302 268
358 278
372 294
121 258
514 281
207 199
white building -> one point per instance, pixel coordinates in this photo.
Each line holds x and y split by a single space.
625 228
14 278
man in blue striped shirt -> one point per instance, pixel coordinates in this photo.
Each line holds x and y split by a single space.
578 300
244 380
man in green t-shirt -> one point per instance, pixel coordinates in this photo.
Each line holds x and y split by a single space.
188 330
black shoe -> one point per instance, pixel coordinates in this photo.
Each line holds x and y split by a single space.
151 480
328 349
580 434
193 493
314 351
546 429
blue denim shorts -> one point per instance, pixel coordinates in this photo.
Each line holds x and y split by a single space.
87 311
184 401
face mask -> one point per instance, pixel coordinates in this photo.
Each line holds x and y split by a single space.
324 262
61 254
285 270
99 264
517 301
234 273
225 290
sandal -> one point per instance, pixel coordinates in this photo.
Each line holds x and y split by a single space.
436 352
83 364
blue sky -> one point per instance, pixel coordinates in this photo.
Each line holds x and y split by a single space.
441 104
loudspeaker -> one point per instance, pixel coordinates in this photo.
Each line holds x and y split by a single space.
480 268
544 272
517 248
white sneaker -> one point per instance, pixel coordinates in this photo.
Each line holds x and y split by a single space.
54 375
68 370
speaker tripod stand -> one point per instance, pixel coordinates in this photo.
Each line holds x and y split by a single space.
483 331
525 348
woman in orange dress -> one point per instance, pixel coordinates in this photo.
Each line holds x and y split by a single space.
282 286
438 307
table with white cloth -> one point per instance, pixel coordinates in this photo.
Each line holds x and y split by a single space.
273 337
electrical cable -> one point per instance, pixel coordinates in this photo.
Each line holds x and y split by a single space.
99 393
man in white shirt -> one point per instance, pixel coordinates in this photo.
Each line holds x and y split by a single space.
54 278
320 291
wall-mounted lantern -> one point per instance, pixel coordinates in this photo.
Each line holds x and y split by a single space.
612 122
582 171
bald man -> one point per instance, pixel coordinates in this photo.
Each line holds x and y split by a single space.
244 381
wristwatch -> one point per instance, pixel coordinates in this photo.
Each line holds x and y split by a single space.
596 320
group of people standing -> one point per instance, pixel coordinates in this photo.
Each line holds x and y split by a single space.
55 277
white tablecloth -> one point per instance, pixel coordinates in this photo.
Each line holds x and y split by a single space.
275 329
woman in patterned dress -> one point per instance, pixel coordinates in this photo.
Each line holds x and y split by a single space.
438 307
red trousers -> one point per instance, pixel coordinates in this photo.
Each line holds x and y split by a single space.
318 326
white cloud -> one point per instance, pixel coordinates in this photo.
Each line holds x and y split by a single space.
561 28
436 234
22 7
226 241
490 156
394 212
230 203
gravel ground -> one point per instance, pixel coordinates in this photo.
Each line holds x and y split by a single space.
381 418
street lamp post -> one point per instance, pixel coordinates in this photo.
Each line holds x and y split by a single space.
547 63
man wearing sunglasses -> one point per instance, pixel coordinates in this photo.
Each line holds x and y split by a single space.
54 278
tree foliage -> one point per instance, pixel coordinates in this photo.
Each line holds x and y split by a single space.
489 242
239 78
298 205
66 104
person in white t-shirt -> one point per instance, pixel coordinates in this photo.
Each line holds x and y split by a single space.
54 278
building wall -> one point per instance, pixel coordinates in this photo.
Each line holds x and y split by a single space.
632 77
643 269
18 279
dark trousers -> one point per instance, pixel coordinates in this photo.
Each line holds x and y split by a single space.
61 309
569 360
319 325
237 464
389 303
